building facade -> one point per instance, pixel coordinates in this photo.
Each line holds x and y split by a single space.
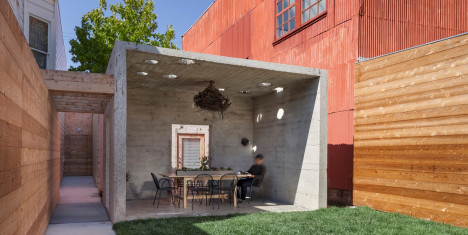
330 35
42 27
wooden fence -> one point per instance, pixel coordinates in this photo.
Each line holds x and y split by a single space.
411 132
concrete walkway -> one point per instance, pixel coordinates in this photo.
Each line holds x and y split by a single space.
79 210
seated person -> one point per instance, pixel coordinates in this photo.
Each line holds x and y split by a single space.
256 171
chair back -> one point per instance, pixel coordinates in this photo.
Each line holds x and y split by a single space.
203 181
228 181
258 181
156 181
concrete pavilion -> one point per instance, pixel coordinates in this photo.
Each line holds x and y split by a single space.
150 106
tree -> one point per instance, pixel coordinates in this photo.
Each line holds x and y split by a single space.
132 21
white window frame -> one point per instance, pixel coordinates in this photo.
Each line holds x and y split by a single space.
49 35
188 129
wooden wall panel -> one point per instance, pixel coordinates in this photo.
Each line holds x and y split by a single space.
29 136
411 132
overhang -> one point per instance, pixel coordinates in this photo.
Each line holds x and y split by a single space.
79 91
168 69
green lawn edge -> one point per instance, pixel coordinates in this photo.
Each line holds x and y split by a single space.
334 220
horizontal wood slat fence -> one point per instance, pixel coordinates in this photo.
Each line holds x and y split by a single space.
411 132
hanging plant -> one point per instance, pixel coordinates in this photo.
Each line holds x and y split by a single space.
211 99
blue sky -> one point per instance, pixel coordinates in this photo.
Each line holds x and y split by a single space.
180 13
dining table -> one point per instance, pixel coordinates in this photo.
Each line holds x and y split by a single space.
186 178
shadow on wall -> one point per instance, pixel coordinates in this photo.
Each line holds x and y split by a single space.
340 174
145 191
286 135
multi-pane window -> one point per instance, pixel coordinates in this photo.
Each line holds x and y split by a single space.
312 8
285 16
39 40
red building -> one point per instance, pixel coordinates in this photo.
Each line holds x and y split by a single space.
327 34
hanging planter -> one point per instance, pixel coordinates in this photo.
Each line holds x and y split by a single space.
212 100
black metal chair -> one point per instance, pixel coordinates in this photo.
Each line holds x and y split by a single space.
226 184
256 183
163 184
202 184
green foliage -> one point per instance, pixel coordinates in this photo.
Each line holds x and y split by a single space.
360 220
132 21
204 164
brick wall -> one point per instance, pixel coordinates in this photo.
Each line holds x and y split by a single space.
29 136
78 158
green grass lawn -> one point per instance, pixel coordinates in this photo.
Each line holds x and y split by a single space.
360 220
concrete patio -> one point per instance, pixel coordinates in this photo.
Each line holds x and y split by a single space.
144 209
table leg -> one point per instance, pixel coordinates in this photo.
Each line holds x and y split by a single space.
185 193
234 197
176 182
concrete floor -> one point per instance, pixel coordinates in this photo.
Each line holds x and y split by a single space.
79 210
143 209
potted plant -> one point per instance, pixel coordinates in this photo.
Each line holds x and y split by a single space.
204 169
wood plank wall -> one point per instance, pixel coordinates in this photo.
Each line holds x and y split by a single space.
29 136
411 132
78 159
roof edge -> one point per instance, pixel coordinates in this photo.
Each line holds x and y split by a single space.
363 59
308 71
186 31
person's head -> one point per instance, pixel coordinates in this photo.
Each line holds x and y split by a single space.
259 159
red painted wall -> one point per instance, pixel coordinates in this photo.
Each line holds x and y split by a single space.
350 29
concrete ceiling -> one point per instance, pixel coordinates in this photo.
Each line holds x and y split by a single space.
234 75
79 92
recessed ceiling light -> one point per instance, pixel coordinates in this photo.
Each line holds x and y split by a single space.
278 89
151 61
221 89
142 73
280 114
186 61
170 76
254 148
245 92
265 84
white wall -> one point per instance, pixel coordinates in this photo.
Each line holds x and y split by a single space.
48 11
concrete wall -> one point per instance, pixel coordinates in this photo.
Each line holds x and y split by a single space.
98 150
296 171
78 158
150 117
29 136
115 138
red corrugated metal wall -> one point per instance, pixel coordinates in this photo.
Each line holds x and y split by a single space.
236 41
351 28
392 25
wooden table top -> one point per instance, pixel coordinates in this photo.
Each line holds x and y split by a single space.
172 175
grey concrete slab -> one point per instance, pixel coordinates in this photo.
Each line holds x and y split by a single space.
144 209
79 202
101 228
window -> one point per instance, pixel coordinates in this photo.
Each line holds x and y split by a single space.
191 150
39 40
285 17
190 143
312 8
286 14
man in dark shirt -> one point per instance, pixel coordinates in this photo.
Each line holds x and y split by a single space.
256 171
